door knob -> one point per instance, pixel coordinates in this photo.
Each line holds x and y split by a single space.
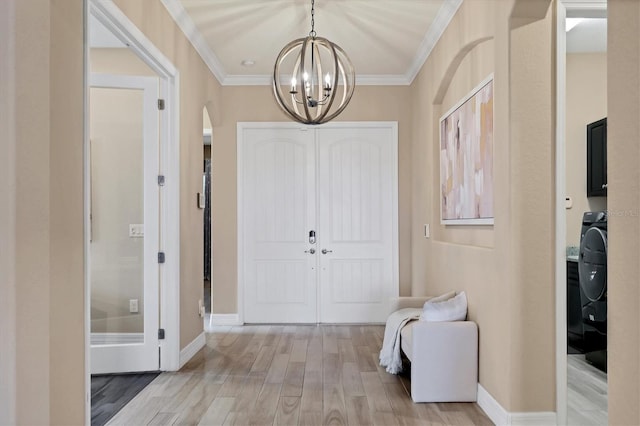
312 251
325 251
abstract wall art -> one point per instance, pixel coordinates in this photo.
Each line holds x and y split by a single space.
466 159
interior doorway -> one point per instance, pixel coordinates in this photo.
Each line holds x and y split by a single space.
207 134
582 101
132 183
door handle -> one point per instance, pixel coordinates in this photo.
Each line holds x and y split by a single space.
325 251
604 186
312 251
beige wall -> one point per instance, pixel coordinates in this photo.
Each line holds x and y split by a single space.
198 88
7 214
623 156
492 263
256 103
46 343
586 103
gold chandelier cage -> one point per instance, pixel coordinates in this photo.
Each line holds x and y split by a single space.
313 78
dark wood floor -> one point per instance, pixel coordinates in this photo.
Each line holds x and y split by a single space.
109 393
289 375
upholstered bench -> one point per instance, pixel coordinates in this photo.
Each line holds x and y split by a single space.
443 356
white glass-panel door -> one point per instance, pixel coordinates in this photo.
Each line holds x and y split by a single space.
124 223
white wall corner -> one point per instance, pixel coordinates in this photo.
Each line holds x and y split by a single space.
500 416
191 349
188 27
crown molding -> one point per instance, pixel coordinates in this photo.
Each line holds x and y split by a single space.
382 80
437 28
181 17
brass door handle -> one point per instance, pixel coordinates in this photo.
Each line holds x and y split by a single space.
325 251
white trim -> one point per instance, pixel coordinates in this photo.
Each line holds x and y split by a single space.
491 407
86 232
116 338
561 216
8 305
180 15
500 416
361 80
542 418
437 28
117 22
191 349
585 9
240 219
222 319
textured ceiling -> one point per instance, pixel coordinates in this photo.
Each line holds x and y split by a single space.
387 40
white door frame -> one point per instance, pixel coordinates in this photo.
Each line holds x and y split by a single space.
240 182
571 8
117 22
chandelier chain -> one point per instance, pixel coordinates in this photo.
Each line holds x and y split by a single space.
313 22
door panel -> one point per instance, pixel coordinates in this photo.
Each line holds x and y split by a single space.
124 217
279 211
356 223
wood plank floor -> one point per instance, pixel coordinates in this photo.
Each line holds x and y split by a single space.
587 391
289 375
109 393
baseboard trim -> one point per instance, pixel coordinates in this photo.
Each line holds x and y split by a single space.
191 349
500 416
541 418
224 319
491 407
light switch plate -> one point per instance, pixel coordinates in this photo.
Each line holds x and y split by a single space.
201 201
136 230
427 231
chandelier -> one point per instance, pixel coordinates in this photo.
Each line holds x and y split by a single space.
318 80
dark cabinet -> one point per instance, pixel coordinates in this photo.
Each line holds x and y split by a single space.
597 158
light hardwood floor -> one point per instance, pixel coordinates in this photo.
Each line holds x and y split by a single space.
586 393
289 375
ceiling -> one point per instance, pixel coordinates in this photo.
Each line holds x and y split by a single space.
589 35
387 40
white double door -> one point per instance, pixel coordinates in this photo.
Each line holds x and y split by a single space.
317 222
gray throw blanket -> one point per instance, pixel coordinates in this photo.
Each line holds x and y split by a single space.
390 357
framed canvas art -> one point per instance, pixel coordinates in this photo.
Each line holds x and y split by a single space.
466 159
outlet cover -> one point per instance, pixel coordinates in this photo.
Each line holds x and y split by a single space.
133 306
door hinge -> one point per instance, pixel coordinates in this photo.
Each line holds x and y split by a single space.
161 257
161 334
161 180
161 104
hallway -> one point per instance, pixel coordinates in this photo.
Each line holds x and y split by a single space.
300 374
